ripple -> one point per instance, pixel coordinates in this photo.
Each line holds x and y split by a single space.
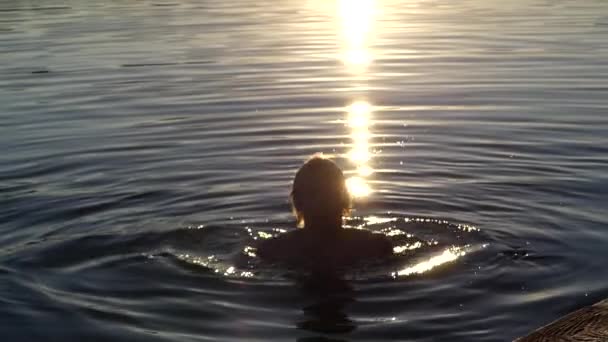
124 120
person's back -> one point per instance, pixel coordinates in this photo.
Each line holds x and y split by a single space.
320 199
308 250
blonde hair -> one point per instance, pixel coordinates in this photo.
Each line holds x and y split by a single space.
319 190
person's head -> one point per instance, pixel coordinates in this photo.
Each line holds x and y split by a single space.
319 192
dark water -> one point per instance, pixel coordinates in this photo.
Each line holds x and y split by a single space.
147 144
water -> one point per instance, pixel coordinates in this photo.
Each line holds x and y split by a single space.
147 143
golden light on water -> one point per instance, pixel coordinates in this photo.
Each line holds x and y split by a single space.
359 120
214 264
359 114
358 187
359 154
408 247
448 255
356 18
365 170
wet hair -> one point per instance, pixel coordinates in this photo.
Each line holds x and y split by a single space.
319 190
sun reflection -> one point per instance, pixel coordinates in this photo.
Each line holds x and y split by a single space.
213 263
356 18
359 154
358 114
408 247
359 120
365 170
249 251
448 255
358 187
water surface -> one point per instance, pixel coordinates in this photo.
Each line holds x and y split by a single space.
148 144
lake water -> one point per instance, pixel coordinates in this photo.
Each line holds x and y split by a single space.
148 144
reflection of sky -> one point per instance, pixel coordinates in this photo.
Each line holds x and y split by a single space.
356 18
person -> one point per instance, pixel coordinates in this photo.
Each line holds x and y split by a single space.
320 200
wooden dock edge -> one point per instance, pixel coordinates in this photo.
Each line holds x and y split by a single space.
587 324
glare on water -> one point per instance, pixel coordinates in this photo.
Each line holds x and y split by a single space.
359 120
126 120
448 255
356 18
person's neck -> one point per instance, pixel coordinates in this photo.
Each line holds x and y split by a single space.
323 224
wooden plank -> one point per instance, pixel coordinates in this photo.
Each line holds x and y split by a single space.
589 324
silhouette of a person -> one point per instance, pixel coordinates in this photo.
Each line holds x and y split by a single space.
320 199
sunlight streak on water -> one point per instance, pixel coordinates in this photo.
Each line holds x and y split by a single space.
359 120
358 187
409 247
214 264
359 115
126 120
356 18
448 255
